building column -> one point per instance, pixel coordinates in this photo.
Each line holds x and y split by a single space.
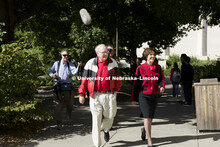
202 39
167 51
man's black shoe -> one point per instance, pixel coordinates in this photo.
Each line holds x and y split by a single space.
187 103
106 136
59 126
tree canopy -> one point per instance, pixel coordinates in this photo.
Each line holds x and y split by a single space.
56 24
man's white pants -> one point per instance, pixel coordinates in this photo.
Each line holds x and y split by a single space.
103 107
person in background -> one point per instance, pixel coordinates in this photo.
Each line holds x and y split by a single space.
61 72
145 90
175 79
187 80
98 79
182 57
111 51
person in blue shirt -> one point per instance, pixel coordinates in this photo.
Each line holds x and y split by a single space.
61 72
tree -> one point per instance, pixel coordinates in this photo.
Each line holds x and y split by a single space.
160 23
61 29
13 12
210 10
50 23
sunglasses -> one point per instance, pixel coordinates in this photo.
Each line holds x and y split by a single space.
65 55
110 50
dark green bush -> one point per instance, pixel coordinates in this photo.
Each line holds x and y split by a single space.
205 69
20 71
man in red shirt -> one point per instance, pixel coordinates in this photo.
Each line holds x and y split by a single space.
98 79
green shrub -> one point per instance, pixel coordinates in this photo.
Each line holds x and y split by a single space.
204 69
20 69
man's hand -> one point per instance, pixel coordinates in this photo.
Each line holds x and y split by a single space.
80 63
162 90
55 76
81 99
116 91
133 102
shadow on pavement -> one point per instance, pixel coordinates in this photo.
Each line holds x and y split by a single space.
165 140
128 116
80 124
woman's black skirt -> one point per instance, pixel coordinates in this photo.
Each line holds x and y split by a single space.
148 104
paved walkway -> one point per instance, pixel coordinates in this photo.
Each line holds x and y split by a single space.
174 126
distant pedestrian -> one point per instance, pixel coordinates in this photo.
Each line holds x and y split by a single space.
98 79
145 90
111 51
187 80
175 77
182 58
61 72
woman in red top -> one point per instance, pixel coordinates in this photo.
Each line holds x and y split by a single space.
145 90
175 79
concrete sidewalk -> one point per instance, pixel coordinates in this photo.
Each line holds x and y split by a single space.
174 126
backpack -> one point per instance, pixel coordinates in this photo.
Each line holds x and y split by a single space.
176 76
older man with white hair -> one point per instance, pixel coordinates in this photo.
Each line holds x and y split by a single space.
98 79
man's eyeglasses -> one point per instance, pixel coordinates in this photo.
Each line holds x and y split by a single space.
65 55
110 50
103 52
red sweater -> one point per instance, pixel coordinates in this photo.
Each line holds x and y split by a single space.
148 80
102 83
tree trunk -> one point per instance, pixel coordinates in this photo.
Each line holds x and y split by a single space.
7 16
133 56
